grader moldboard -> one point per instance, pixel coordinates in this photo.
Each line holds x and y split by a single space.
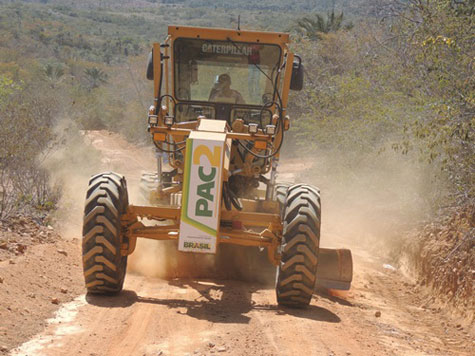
218 121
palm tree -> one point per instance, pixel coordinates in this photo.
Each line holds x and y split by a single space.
314 27
95 77
53 73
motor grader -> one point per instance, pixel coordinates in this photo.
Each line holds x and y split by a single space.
218 121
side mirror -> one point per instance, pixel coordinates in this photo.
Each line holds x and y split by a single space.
150 66
296 81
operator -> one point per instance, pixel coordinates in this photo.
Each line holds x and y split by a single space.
222 92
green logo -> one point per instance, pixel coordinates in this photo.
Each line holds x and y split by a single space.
204 191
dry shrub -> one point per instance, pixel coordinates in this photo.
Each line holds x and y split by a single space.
27 137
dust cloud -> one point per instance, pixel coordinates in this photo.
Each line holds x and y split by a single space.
70 166
373 199
162 259
86 153
368 200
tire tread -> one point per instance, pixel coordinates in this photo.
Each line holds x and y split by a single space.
103 265
297 270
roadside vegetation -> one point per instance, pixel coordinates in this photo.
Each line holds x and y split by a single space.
403 81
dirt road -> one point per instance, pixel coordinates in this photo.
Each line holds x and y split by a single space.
181 316
384 313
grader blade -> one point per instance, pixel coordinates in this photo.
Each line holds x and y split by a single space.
335 269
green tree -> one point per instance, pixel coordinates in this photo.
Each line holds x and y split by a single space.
7 87
95 77
440 42
314 27
53 73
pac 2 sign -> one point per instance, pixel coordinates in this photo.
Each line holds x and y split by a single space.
202 187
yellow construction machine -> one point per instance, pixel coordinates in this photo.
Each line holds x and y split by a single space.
218 122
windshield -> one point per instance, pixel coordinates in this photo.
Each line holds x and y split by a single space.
225 71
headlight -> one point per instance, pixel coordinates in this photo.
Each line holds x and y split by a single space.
270 129
252 128
152 120
169 120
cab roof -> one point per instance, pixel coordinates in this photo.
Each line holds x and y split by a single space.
279 38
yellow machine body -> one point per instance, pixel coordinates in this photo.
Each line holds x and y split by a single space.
208 144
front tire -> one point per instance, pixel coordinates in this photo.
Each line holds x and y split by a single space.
280 193
103 265
296 273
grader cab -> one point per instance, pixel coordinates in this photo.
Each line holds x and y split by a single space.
218 122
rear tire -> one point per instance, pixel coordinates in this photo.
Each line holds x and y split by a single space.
103 265
296 273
